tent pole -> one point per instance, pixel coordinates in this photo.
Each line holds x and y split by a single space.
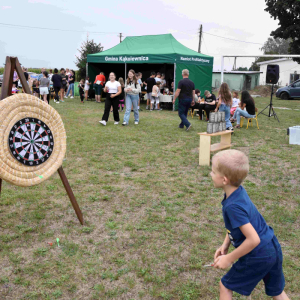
125 71
222 69
174 84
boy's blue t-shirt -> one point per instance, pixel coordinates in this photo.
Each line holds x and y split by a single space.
239 210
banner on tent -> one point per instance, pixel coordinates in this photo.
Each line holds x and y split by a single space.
144 59
127 58
191 59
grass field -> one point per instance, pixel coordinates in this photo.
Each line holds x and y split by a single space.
153 218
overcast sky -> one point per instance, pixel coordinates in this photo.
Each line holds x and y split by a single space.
235 19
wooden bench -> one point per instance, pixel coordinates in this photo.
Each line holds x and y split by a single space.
205 145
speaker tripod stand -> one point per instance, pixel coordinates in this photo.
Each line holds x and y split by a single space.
272 112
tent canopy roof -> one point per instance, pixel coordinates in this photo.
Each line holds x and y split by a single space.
151 49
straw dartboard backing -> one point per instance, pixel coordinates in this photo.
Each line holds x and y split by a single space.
32 140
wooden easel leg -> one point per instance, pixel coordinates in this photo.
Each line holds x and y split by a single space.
7 82
70 194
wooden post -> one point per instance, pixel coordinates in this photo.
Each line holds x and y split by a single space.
0 185
20 72
7 82
70 194
204 150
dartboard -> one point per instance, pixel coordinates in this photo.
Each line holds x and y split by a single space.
31 141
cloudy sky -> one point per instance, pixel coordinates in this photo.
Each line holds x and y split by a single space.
72 20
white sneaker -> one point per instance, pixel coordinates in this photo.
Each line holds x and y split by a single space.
103 122
124 124
54 101
116 123
57 102
66 97
72 97
136 123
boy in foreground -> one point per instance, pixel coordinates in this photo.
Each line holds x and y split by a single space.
258 254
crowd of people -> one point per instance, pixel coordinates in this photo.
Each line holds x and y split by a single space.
127 94
61 84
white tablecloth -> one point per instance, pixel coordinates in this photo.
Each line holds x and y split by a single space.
165 98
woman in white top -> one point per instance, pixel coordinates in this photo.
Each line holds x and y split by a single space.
113 90
132 90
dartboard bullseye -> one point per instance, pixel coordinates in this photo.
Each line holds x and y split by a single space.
31 141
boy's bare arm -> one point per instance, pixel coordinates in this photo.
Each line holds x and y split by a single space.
226 242
252 240
224 248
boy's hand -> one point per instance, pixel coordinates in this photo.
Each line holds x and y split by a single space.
222 262
221 251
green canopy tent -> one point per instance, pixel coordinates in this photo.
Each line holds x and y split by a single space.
148 53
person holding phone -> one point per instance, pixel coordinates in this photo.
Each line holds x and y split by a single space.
113 90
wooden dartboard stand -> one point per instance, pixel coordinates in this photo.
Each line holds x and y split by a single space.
12 63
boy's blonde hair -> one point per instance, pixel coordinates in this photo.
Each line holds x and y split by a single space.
206 93
233 164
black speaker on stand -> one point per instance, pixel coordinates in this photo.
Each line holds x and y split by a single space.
272 77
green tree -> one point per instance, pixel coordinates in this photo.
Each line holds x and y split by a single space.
87 47
271 46
287 12
278 46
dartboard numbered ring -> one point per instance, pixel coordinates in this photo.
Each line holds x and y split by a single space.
31 141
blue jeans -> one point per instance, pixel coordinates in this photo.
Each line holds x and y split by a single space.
131 100
226 108
71 87
183 108
238 113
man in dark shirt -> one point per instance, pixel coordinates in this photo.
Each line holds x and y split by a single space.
57 83
186 93
150 82
208 105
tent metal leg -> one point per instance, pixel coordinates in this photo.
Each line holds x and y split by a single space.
174 86
222 69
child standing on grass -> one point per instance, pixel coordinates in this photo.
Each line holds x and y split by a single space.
155 95
81 90
87 87
258 253
122 96
235 102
